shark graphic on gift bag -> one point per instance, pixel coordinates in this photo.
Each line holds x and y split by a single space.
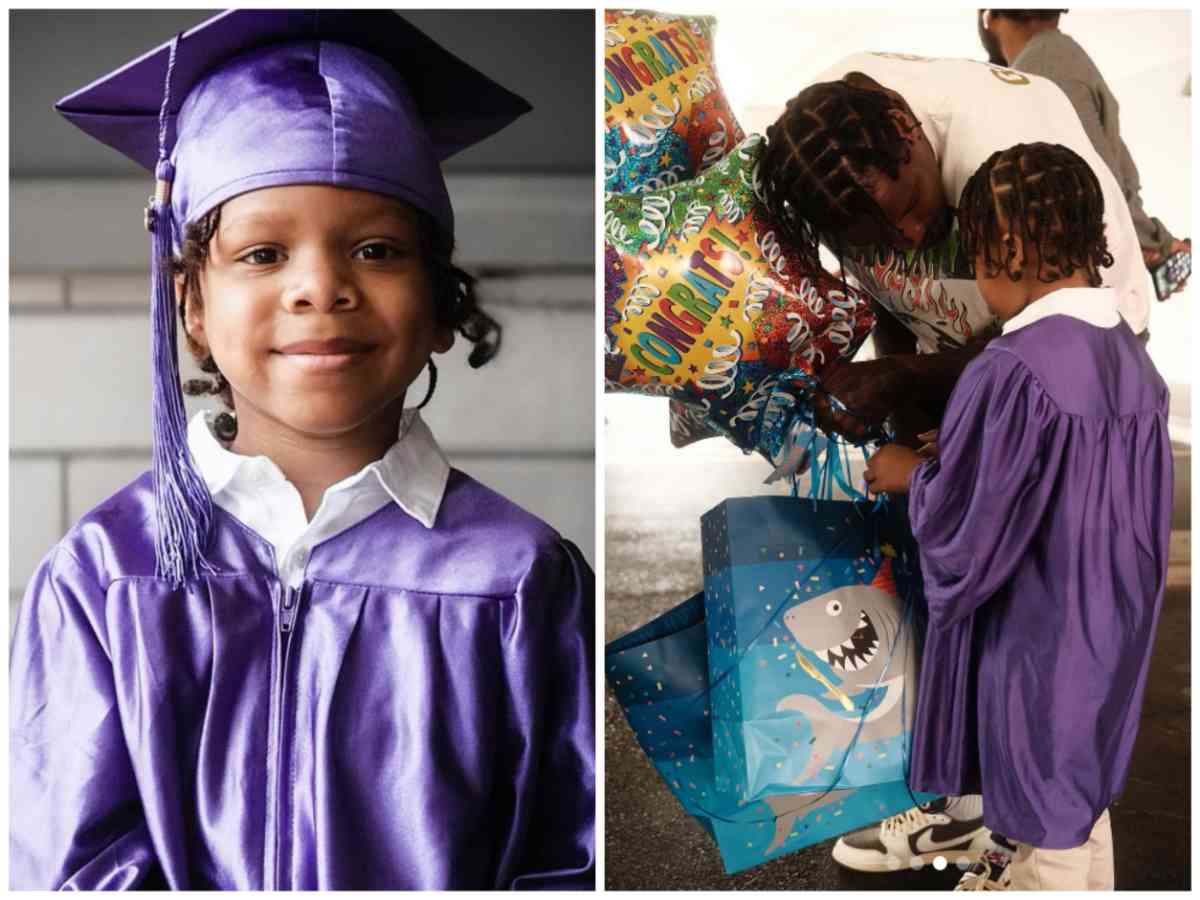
859 631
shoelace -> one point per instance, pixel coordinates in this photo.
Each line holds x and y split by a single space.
988 874
906 822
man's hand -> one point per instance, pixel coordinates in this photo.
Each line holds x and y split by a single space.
1153 258
871 390
890 469
891 385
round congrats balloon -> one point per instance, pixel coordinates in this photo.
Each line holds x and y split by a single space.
703 306
665 115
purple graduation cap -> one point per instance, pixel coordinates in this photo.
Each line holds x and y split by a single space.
261 98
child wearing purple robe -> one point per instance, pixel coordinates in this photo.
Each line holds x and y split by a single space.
303 652
1043 521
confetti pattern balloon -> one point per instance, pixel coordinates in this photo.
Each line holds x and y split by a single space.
665 115
703 306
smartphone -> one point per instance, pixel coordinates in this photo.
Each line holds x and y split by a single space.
1170 273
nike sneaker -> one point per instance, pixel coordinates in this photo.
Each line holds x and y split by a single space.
915 838
990 873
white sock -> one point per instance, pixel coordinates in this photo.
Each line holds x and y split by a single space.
969 806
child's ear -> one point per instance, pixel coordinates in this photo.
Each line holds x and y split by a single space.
193 318
1014 256
443 340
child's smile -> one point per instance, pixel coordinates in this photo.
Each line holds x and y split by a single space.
330 355
317 307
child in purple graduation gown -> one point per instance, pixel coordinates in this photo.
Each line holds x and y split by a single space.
1043 524
308 654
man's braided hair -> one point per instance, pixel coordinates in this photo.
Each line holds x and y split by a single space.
818 155
455 303
1046 195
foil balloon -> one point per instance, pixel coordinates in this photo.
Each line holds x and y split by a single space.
665 115
703 306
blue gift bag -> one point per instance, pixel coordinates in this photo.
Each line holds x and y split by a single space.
659 674
777 705
814 615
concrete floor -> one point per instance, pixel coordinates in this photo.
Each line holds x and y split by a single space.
653 563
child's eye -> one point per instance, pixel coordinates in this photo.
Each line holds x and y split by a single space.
261 256
376 252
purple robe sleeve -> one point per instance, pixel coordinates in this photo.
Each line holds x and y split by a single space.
76 821
975 509
547 647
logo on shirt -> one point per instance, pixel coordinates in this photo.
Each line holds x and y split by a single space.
1008 76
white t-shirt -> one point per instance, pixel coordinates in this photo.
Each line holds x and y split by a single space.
969 110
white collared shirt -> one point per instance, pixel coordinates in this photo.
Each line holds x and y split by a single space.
1096 306
413 474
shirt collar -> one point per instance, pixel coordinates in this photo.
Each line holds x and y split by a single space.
413 472
1096 306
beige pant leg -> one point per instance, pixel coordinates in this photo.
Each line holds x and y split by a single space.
1036 869
1100 874
1088 867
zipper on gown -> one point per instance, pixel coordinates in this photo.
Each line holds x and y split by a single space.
277 831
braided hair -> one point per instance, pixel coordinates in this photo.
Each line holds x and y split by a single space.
1046 195
817 159
455 302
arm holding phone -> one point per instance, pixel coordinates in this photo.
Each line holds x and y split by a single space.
1170 274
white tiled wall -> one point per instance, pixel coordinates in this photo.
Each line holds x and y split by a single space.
79 382
501 221
92 479
100 290
35 513
36 290
80 352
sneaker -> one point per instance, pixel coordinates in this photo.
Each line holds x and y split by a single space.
915 838
990 873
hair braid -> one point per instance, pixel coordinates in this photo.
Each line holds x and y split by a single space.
820 152
1046 195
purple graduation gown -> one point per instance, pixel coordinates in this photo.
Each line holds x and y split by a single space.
426 721
1043 533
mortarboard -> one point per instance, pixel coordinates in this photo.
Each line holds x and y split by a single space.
262 98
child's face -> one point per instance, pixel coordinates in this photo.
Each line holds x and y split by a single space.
317 306
914 203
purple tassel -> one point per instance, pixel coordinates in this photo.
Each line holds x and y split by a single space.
183 504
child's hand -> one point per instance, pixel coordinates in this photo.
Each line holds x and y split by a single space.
890 468
929 447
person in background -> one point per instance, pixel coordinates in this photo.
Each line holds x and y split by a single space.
1043 521
988 39
1029 40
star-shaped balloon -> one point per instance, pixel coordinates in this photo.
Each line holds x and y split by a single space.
728 324
659 70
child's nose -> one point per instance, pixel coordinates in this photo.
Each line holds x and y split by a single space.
321 286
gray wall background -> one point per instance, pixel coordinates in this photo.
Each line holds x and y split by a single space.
545 57
79 329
